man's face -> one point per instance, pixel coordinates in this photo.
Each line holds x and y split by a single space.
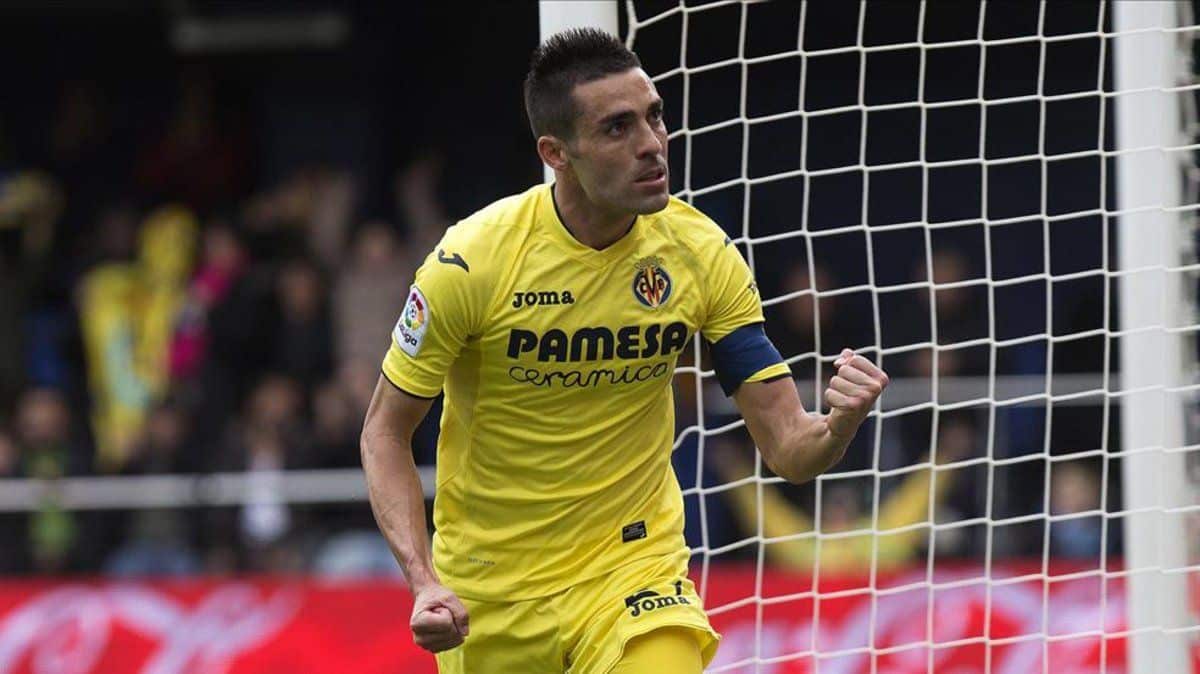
619 153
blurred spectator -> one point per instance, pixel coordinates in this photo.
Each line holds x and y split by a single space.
164 445
305 348
329 222
156 541
80 125
48 452
961 316
961 313
797 330
155 546
271 436
793 324
1075 488
117 232
355 554
308 213
83 153
370 292
357 379
14 527
227 329
10 458
842 510
12 343
265 518
128 314
30 204
336 427
222 262
195 160
45 435
419 205
276 405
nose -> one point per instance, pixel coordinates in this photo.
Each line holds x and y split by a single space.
649 144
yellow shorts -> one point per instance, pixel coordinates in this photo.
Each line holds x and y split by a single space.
584 629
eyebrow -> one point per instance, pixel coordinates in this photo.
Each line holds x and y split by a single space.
616 116
619 115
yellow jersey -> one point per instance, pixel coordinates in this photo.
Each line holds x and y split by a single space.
556 360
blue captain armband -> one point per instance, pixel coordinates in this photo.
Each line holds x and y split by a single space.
740 354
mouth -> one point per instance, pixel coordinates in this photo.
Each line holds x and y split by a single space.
652 177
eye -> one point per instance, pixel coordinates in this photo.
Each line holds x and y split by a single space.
616 128
656 114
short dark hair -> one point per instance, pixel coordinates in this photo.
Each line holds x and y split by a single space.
560 63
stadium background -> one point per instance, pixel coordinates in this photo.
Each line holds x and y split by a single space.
203 246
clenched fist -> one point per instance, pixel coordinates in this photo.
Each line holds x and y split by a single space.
852 392
439 619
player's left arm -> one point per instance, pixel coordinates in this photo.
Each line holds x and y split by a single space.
795 444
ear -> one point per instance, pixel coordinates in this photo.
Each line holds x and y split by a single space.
553 152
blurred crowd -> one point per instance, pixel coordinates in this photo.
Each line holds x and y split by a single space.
181 319
163 313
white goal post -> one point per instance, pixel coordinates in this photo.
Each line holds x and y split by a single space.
1152 63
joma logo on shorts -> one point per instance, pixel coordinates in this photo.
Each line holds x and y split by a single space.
649 600
541 298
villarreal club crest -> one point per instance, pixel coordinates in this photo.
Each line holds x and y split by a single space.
651 283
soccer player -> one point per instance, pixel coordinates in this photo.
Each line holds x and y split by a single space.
553 320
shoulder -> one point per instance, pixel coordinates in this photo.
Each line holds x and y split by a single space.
484 239
692 228
502 217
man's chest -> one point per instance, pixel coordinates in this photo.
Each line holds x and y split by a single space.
561 323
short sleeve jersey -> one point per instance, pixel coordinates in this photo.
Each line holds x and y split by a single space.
556 360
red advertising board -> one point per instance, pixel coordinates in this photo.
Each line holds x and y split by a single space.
307 626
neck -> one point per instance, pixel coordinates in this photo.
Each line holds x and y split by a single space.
588 223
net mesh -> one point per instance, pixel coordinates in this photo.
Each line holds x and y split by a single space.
933 185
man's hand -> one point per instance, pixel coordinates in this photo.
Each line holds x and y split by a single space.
852 392
439 619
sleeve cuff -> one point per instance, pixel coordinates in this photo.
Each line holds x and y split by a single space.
406 386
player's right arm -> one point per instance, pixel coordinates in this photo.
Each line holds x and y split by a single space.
442 311
439 619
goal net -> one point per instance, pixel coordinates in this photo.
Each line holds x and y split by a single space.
995 202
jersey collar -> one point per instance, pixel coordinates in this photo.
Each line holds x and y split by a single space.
552 224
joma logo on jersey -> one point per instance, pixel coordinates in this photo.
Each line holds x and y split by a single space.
541 298
651 283
649 600
629 342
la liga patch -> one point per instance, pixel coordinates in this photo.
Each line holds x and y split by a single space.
414 321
